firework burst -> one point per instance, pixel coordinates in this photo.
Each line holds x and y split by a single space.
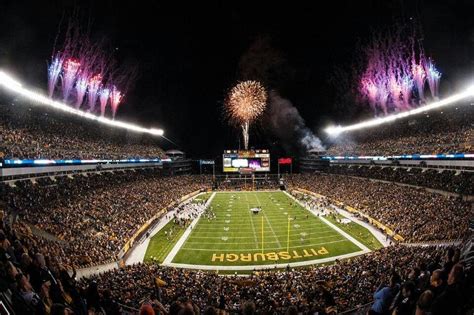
81 88
70 71
94 85
432 76
103 98
115 98
54 70
245 103
419 76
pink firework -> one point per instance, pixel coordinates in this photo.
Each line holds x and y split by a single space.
103 98
384 93
370 91
394 67
94 85
70 71
406 90
395 91
432 76
419 77
54 70
115 99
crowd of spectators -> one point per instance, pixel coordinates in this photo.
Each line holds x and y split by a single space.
414 213
449 130
27 132
460 182
93 216
324 290
87 219
398 278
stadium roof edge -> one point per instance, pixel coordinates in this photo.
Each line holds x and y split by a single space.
336 130
7 82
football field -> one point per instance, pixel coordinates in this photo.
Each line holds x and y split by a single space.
281 232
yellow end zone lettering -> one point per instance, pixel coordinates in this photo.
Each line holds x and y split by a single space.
273 256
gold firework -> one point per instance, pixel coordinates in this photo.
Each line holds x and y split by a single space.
245 103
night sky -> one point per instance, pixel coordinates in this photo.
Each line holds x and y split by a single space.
190 54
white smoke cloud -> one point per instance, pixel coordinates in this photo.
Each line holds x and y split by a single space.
287 124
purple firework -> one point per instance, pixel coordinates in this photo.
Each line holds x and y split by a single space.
54 70
103 98
395 91
394 66
370 91
384 93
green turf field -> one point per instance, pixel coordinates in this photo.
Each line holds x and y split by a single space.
237 237
203 197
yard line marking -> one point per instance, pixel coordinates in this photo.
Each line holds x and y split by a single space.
240 243
246 237
251 221
257 250
308 229
274 235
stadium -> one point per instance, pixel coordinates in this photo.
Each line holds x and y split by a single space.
118 199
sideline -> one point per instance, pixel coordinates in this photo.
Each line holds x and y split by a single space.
137 254
380 236
350 238
185 235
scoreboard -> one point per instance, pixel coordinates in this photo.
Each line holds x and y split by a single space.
244 161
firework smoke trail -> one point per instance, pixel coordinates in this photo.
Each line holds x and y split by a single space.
115 99
94 85
245 103
432 76
103 98
286 123
70 71
54 70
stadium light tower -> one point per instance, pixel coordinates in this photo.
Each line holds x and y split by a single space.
13 85
336 130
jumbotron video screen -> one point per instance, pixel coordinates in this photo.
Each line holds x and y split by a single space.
234 161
